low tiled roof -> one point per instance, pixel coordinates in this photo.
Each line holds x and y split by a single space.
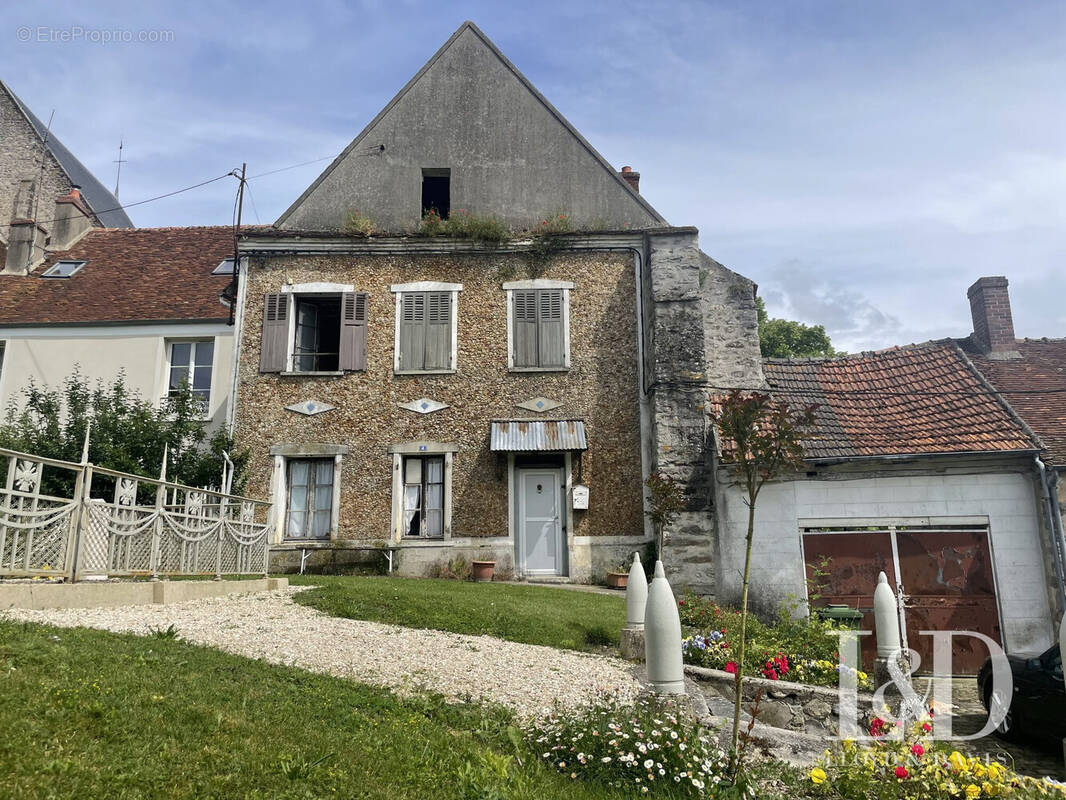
915 400
131 275
1035 387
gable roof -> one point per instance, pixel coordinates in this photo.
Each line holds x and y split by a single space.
131 275
915 400
354 152
101 201
1035 387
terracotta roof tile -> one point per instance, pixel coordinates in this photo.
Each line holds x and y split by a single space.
921 399
1035 387
131 274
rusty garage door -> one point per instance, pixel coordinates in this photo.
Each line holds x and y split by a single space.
945 574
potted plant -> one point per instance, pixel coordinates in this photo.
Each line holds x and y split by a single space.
618 577
481 571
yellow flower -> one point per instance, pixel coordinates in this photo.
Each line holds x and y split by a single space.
957 760
818 775
973 791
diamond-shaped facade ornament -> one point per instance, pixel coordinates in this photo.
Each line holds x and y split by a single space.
310 407
538 404
424 405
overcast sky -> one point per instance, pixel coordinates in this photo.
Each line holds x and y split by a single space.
863 162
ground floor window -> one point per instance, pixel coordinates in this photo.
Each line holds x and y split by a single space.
423 496
310 498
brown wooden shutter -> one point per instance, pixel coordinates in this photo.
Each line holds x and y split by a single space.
524 335
353 331
412 331
273 349
551 338
438 330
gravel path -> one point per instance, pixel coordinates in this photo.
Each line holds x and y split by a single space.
269 625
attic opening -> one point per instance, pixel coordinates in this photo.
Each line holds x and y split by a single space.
436 191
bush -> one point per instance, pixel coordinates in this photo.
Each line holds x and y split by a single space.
643 749
803 650
357 223
464 225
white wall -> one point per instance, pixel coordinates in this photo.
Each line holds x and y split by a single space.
50 354
1005 498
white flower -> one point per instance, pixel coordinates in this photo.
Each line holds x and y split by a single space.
649 764
606 759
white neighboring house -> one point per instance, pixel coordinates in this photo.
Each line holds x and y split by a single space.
145 301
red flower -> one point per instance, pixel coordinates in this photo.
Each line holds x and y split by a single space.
918 750
901 772
731 667
926 727
877 727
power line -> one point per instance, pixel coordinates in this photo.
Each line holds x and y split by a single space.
291 166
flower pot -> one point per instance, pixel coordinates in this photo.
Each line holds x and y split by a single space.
481 571
617 580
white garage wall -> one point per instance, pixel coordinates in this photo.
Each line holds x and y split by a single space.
1006 499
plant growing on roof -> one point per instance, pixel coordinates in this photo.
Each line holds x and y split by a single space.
356 223
665 502
762 438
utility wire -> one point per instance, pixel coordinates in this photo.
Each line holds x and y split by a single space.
291 166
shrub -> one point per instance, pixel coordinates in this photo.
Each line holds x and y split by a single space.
462 224
643 748
357 223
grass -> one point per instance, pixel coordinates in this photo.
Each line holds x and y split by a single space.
564 618
93 714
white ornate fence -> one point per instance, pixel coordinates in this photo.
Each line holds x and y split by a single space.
61 519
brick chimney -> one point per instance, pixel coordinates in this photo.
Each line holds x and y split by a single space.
631 177
72 218
26 239
993 326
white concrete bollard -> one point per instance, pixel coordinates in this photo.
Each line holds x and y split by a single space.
662 637
636 595
886 619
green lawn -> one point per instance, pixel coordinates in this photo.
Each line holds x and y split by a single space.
564 618
97 715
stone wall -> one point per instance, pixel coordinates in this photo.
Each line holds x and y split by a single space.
600 388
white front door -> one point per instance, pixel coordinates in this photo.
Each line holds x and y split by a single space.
541 548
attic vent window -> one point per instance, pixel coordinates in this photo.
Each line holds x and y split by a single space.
63 269
436 191
225 267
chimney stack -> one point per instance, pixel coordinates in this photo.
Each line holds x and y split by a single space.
993 325
631 177
26 239
72 218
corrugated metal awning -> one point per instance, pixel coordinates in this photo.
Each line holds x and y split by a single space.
522 435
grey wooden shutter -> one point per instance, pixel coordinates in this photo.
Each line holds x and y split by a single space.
353 331
272 351
524 335
412 331
439 330
550 334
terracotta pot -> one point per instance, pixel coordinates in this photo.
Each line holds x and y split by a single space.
481 571
617 580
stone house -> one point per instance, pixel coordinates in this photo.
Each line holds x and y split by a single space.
917 468
36 167
442 396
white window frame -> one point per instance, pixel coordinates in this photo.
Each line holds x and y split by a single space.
539 283
400 289
292 291
282 454
424 448
193 340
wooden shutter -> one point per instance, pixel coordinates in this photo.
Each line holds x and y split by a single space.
524 335
273 350
438 330
551 334
353 331
412 331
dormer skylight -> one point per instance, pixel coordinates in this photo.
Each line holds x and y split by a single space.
224 268
63 269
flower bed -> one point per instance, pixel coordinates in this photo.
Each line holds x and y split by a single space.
803 650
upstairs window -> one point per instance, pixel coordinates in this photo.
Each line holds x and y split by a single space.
539 325
63 269
314 331
190 365
436 192
426 324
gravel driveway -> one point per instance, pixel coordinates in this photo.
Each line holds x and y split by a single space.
268 625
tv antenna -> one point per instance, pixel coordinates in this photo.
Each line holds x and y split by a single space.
120 161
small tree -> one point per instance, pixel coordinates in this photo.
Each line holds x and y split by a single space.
761 437
128 433
665 501
786 338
